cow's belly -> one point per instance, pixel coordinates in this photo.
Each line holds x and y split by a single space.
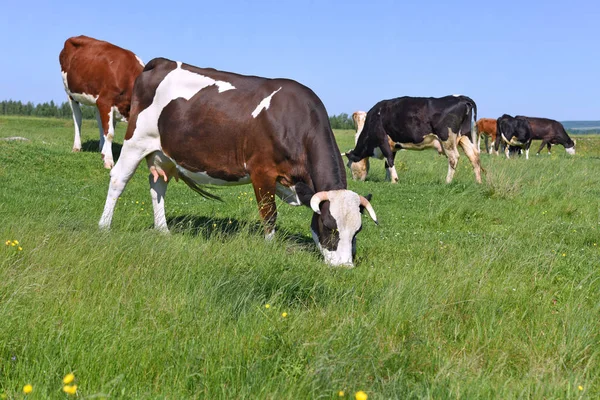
428 142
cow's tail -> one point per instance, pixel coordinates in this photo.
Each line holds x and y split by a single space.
472 107
198 189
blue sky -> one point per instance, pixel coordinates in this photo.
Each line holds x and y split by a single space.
515 57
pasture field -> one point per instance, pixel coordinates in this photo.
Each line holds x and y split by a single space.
463 291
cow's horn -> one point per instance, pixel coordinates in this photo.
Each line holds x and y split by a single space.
317 199
365 203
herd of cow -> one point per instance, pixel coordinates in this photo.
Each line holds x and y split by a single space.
209 127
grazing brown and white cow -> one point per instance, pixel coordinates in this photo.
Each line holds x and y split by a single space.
487 128
205 126
98 73
417 123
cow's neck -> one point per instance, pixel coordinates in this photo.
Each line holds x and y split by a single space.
326 165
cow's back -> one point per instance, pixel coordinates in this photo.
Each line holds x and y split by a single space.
94 67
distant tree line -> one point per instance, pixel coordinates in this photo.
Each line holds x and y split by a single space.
51 109
342 121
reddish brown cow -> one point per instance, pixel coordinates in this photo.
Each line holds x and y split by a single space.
487 128
100 74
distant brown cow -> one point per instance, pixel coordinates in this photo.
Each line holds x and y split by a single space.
98 73
487 128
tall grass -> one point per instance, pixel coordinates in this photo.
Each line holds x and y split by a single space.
463 291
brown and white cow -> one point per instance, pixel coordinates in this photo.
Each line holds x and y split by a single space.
359 169
98 73
417 123
486 127
205 126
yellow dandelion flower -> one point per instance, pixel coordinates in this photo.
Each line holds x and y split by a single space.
137 202
214 225
27 389
267 306
284 314
68 378
580 387
16 242
13 244
8 242
20 248
70 389
564 255
341 393
360 395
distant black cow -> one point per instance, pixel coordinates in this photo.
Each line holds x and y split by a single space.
417 123
513 132
550 132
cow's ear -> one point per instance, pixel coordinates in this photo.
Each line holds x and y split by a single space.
368 197
304 192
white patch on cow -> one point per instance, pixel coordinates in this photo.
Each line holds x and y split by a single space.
140 61
83 98
270 235
527 154
457 95
570 150
288 194
513 141
264 104
179 83
202 178
391 174
344 208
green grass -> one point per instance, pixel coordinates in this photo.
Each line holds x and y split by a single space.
463 291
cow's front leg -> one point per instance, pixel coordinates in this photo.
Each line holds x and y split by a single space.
264 190
544 143
389 156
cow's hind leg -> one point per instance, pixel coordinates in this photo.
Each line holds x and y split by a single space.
77 118
107 116
131 155
473 156
161 170
451 152
264 189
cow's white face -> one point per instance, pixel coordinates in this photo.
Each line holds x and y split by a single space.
335 226
570 150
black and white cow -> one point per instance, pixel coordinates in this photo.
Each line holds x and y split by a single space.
205 126
417 123
514 132
550 132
